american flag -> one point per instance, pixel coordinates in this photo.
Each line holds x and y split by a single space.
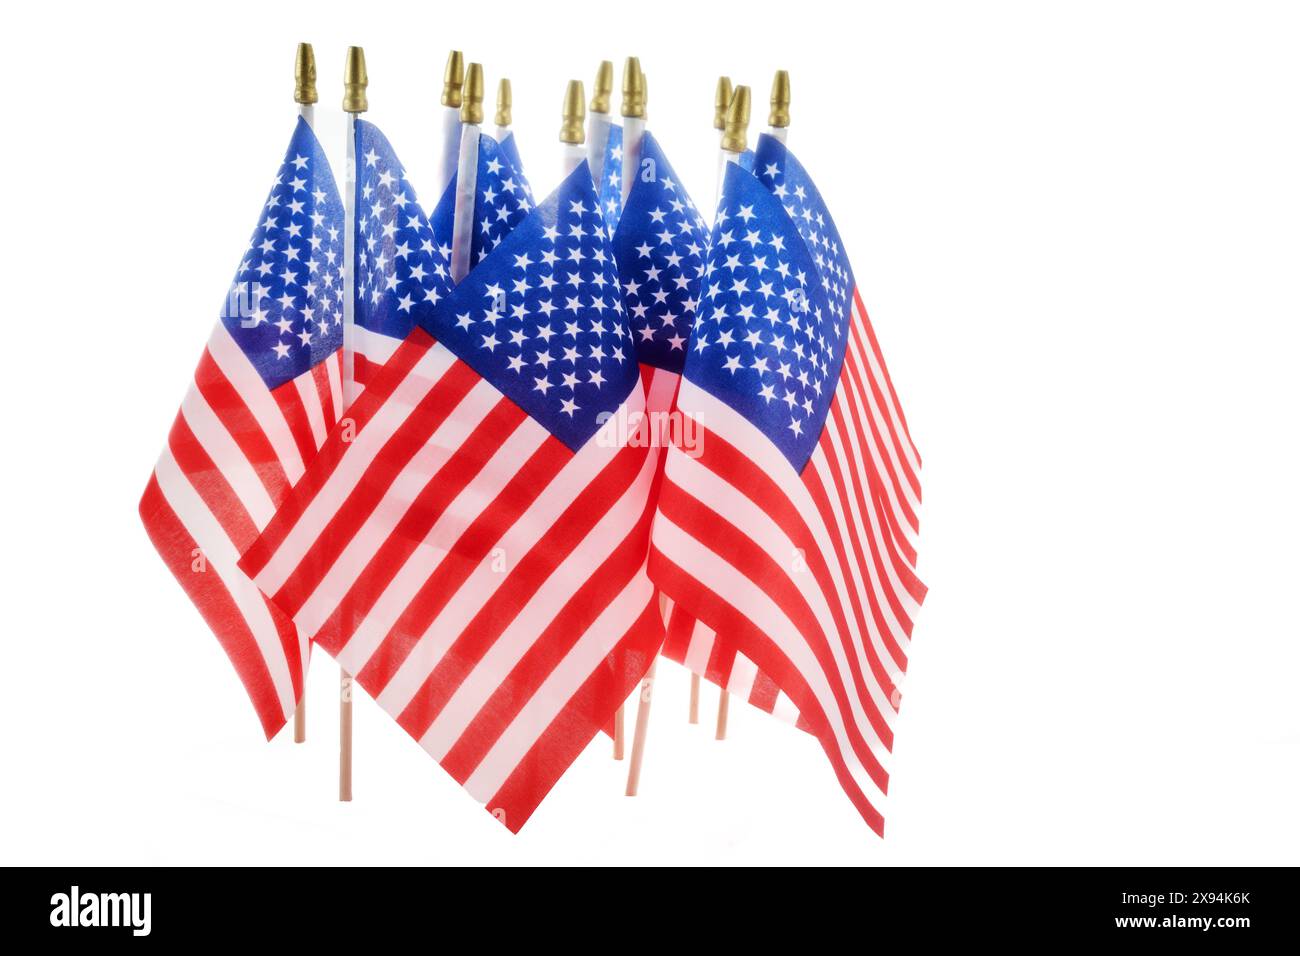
510 150
402 266
472 546
776 531
610 186
266 392
502 200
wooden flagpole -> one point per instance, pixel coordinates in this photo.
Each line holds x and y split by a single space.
505 112
355 81
633 127
304 94
453 79
732 144
471 123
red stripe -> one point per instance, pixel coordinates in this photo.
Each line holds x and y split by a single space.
578 722
464 557
770 576
294 411
884 370
601 588
850 370
359 414
411 529
211 484
410 438
212 598
864 374
518 588
321 377
228 405
723 618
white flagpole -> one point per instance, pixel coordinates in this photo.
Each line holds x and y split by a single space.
471 117
633 127
354 103
730 147
504 115
304 94
599 122
453 78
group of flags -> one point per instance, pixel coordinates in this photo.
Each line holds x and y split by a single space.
625 433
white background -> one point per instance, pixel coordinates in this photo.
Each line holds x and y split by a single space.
1075 226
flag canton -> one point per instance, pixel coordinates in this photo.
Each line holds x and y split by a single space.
611 179
766 341
285 307
746 160
540 317
510 149
502 199
402 272
778 169
660 246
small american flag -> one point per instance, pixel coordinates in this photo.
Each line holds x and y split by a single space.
471 541
510 150
266 392
776 533
502 199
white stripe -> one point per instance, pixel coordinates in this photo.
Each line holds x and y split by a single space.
517 541
223 560
758 526
872 369
239 371
881 378
306 385
564 581
351 466
439 542
228 457
561 684
379 524
375 346
758 607
743 674
661 390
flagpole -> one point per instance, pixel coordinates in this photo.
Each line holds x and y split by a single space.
304 94
453 78
355 81
633 110
505 114
471 120
731 145
599 122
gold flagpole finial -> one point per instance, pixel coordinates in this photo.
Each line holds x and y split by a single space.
721 100
504 102
355 81
304 75
733 132
453 77
633 89
471 104
604 87
575 112
779 117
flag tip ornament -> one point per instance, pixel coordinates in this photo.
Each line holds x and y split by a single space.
604 87
453 77
721 100
733 133
304 75
355 81
504 102
633 89
571 130
471 105
779 117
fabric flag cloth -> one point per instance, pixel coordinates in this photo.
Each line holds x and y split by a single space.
611 185
502 199
775 530
472 547
510 150
266 391
401 266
